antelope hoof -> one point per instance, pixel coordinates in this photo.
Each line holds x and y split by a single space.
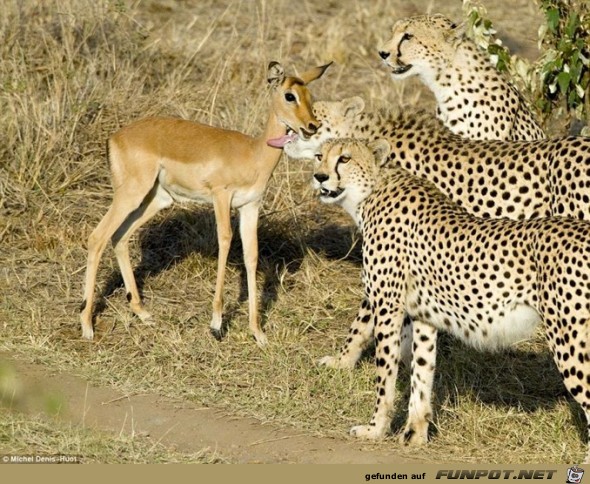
141 313
261 339
87 333
217 333
148 320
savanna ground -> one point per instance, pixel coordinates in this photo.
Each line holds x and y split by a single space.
74 72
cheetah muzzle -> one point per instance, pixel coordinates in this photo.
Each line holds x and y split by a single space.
330 194
401 68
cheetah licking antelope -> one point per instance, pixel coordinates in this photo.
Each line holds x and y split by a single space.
489 282
157 161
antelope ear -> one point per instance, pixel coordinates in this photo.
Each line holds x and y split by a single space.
380 149
351 106
275 74
314 73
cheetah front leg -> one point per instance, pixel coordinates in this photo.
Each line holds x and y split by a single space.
360 336
422 377
388 326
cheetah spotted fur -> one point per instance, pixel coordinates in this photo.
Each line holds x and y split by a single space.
489 282
518 180
473 98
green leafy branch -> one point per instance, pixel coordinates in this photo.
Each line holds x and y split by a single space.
558 82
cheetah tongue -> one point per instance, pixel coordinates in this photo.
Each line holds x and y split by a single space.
281 141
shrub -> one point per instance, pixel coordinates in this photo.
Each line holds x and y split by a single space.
558 82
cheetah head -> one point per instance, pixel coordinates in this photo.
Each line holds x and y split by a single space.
336 120
346 170
420 46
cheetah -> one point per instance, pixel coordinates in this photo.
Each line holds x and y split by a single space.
489 282
473 98
490 179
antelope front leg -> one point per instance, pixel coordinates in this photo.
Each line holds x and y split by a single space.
422 377
224 235
249 235
388 328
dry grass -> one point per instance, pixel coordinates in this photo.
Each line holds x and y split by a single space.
25 435
72 73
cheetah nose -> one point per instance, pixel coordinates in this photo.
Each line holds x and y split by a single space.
384 55
311 130
321 177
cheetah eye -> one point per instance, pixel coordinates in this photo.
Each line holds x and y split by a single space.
406 36
290 97
344 159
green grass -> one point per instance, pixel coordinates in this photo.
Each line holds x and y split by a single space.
73 73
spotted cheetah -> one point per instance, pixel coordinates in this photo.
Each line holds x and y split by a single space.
473 98
518 180
489 282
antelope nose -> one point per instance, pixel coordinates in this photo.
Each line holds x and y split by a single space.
384 55
321 177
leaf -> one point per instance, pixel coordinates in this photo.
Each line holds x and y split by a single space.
572 25
573 99
563 79
553 19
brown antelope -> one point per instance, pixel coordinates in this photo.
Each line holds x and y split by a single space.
156 161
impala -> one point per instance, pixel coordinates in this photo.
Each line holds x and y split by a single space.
157 161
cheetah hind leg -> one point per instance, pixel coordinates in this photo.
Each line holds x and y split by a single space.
422 369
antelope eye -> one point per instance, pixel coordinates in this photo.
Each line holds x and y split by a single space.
318 157
290 97
344 159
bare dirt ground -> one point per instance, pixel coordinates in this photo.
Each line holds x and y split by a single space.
186 427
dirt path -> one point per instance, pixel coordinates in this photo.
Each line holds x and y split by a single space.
185 426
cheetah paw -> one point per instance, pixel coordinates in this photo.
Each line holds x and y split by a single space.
368 432
335 362
414 434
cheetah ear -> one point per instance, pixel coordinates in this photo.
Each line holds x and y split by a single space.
455 33
381 149
351 106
